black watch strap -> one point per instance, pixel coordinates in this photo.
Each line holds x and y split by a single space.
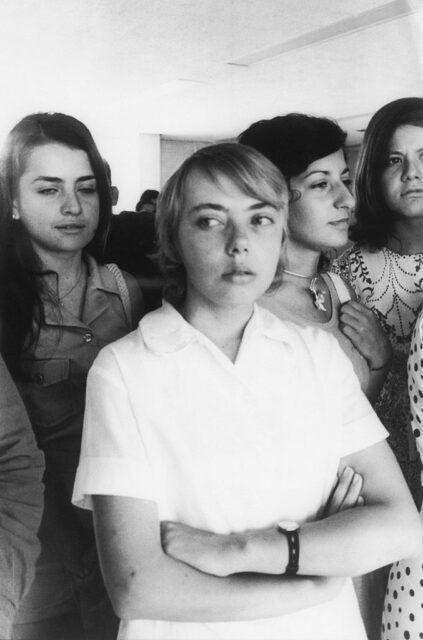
293 540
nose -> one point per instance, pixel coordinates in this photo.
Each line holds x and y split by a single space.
411 170
71 204
238 241
344 198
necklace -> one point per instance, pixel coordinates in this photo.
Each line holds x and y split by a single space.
78 280
299 275
317 294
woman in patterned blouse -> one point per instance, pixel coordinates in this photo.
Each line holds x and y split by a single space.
385 265
384 268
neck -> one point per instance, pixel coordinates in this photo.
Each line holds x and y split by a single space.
407 237
301 261
224 326
67 266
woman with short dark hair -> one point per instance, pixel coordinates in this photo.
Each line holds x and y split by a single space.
309 151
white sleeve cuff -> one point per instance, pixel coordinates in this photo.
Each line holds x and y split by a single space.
362 433
111 476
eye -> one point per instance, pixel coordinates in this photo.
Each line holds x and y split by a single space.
262 220
207 222
393 160
323 184
47 191
348 183
88 190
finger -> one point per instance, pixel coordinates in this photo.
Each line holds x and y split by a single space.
359 327
356 307
355 335
353 315
353 493
358 340
341 490
365 319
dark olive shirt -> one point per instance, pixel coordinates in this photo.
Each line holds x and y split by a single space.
53 389
21 500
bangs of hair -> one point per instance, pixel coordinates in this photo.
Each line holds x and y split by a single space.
252 173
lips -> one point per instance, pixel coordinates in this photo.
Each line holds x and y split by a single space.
412 193
340 221
239 271
70 226
239 276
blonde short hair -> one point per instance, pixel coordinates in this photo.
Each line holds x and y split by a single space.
248 169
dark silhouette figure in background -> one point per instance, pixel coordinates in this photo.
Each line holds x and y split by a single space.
131 244
147 202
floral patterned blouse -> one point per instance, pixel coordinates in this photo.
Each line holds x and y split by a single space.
391 285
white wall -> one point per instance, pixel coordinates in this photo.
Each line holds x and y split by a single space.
135 164
146 161
174 152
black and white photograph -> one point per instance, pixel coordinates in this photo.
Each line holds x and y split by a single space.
211 320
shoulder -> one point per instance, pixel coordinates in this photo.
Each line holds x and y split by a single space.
133 287
351 254
157 334
354 263
339 287
309 340
128 289
120 358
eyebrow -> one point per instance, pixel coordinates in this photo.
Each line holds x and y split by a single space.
326 173
401 153
218 207
54 179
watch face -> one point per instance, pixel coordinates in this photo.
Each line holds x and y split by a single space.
288 525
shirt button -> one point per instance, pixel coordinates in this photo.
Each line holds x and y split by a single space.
38 378
87 337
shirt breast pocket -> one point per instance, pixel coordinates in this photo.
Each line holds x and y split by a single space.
48 392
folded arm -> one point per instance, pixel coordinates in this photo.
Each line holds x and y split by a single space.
383 528
144 582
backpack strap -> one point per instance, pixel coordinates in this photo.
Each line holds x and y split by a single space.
341 288
123 290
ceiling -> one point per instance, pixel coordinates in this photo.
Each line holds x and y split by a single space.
206 69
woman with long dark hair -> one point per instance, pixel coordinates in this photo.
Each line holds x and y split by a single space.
384 266
60 307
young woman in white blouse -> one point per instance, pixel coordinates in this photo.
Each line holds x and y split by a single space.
198 417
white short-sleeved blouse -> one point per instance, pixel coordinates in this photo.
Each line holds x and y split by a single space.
226 446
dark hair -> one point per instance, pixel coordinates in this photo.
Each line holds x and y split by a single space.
249 170
21 305
375 223
292 142
149 196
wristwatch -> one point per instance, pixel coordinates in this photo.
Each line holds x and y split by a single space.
291 530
